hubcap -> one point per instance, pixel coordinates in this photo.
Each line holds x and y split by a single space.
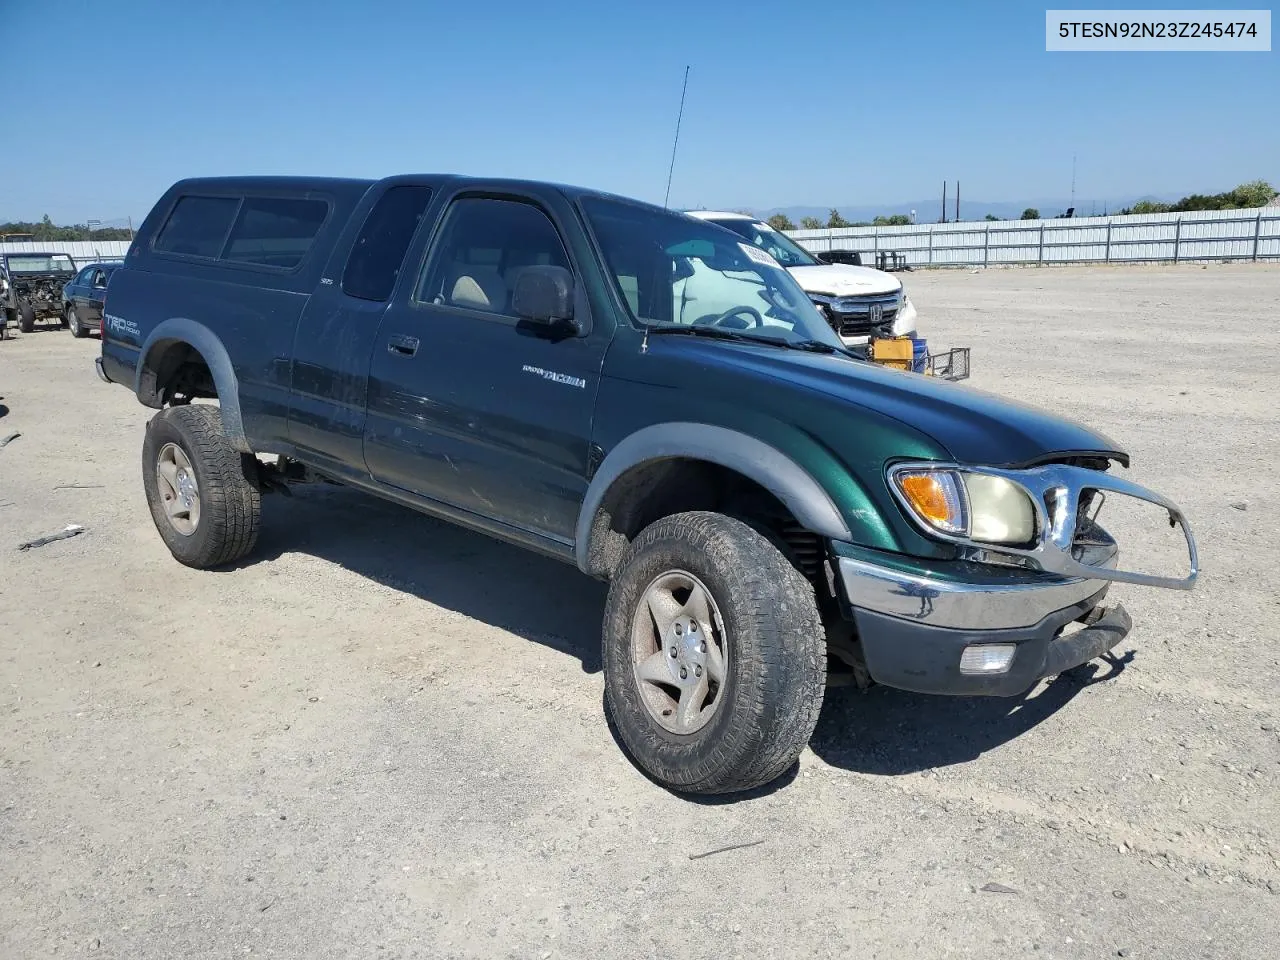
178 489
679 652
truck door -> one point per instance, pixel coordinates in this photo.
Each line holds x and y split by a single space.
466 405
93 294
335 335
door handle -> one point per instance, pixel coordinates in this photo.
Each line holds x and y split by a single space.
404 346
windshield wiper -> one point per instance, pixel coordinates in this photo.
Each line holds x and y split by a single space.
720 333
816 346
693 330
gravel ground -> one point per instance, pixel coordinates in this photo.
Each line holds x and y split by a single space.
382 737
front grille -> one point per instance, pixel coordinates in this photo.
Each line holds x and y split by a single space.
856 324
853 316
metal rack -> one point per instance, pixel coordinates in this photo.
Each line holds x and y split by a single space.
950 364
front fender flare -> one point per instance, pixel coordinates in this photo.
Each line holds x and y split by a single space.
808 502
207 344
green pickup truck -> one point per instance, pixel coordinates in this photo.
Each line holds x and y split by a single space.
642 395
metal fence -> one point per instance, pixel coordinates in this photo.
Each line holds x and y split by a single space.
1231 235
81 251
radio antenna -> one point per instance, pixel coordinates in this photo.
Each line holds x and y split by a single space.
679 116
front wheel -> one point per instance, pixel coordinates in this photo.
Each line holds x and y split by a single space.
201 490
714 655
73 323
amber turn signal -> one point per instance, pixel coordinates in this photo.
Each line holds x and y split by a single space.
936 497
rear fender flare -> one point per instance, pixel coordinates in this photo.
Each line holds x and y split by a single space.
205 342
808 502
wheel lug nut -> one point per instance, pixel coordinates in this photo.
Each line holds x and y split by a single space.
673 651
679 629
697 671
693 628
684 674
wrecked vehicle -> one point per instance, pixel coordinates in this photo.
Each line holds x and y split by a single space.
771 512
859 302
31 287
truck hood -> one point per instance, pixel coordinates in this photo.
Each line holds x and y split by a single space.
976 427
844 280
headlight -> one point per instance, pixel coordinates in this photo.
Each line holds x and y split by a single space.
973 505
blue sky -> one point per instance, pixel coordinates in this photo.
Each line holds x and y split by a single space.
819 102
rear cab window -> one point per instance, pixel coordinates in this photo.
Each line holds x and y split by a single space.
264 231
197 226
275 231
374 263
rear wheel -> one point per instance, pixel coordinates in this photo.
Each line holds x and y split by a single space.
714 655
202 492
73 323
26 317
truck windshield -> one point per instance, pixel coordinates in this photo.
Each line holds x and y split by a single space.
781 247
41 263
673 269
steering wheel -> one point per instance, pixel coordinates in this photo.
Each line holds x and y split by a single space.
750 313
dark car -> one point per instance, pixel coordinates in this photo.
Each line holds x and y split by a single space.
641 395
83 298
31 286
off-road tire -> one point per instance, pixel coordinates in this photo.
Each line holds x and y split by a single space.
776 652
26 318
230 500
72 323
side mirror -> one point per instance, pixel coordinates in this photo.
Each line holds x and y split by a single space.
544 295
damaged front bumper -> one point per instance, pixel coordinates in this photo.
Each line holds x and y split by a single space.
981 628
972 632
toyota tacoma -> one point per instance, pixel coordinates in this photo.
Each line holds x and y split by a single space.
531 361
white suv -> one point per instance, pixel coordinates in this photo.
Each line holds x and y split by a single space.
856 301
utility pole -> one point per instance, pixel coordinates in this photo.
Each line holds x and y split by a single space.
957 201
131 229
1073 180
944 202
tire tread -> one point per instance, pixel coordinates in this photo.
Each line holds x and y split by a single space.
230 501
778 701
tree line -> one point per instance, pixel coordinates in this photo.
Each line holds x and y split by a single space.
46 230
780 221
1255 193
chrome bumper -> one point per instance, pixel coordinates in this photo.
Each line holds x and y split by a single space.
991 603
1055 491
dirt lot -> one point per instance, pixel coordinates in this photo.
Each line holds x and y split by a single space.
383 737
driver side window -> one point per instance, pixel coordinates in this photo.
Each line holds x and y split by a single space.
485 246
